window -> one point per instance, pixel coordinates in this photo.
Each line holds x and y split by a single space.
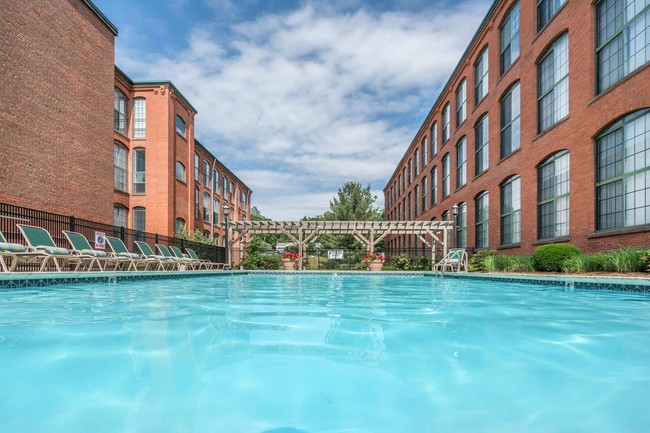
215 211
399 184
206 174
139 219
197 210
231 196
445 215
511 211
461 163
404 208
481 76
180 225
445 176
120 104
482 153
424 193
553 196
446 123
139 118
206 207
224 185
546 9
460 236
553 84
215 181
119 216
180 126
510 39
434 186
623 39
461 103
410 171
416 198
410 214
510 128
425 157
180 171
403 179
482 207
416 159
197 164
434 139
138 171
623 173
119 166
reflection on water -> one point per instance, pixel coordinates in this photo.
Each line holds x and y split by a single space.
258 354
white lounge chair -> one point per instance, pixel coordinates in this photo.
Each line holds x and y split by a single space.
455 260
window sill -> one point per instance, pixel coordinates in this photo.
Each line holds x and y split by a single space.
508 156
139 139
512 65
480 174
181 181
181 135
508 246
121 134
619 232
460 187
551 128
119 191
138 193
560 239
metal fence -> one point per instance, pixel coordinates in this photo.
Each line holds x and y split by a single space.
10 215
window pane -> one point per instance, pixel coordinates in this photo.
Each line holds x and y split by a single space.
510 111
510 39
138 171
120 167
553 85
139 118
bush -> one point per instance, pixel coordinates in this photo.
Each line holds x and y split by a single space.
583 264
551 257
477 263
401 262
627 260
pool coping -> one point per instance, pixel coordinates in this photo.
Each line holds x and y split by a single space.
18 280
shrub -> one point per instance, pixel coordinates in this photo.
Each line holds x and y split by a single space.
549 258
269 262
477 263
626 260
583 263
401 262
421 264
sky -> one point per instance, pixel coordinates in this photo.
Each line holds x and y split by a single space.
297 97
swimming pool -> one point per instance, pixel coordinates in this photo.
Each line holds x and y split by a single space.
296 353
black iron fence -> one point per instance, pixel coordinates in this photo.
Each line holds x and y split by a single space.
10 215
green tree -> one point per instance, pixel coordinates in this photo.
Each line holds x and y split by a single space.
354 203
270 239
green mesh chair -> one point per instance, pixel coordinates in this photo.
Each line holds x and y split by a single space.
39 240
164 263
195 264
81 246
207 264
11 255
181 262
120 251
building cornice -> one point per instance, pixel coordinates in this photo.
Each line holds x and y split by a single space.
233 175
101 16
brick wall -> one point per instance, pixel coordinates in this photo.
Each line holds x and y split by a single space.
56 93
587 116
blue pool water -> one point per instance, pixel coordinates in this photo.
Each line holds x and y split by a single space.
307 354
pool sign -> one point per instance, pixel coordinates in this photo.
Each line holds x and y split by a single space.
335 254
100 240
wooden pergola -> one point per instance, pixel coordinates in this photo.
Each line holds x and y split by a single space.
368 233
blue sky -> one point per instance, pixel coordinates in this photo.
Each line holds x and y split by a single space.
297 97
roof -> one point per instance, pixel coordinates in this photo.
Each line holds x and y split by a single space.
436 104
233 175
156 83
101 16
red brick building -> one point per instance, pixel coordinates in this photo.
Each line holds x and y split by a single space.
64 150
541 134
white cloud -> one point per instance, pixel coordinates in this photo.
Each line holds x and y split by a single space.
313 96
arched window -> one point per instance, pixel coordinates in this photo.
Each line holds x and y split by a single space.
120 153
424 193
180 171
482 218
433 133
139 223
434 186
623 173
446 123
553 196
416 161
546 9
510 39
180 125
481 76
119 215
180 225
510 127
425 157
460 236
553 84
206 207
120 105
461 103
139 171
416 198
461 163
511 211
446 168
482 145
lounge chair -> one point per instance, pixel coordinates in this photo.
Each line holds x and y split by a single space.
120 251
196 264
40 240
17 253
164 263
207 264
81 246
455 260
182 263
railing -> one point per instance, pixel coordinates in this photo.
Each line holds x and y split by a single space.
10 215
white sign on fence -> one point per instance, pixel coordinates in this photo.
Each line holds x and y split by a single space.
335 254
100 240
